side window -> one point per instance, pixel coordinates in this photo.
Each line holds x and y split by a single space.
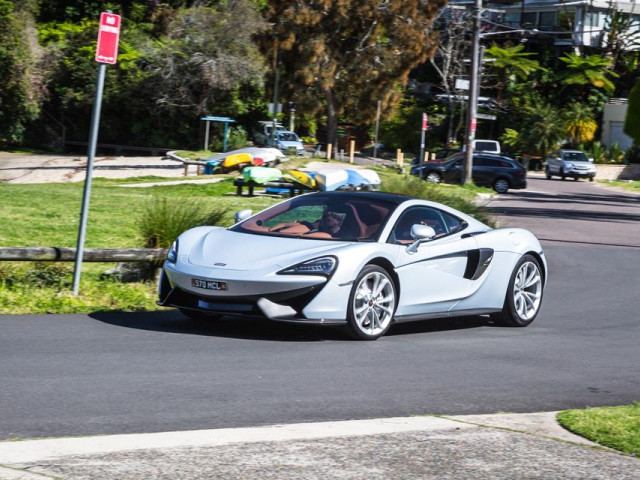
452 223
480 162
442 222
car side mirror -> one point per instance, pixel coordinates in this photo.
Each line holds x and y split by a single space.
420 233
242 215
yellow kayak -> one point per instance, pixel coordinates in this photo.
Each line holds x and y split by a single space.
237 160
300 177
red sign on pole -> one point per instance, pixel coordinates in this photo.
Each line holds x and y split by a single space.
473 124
424 121
108 36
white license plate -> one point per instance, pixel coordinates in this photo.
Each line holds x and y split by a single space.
208 284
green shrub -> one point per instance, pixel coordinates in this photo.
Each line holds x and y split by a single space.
164 220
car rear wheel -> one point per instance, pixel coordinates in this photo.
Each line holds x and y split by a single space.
372 304
433 177
562 175
524 294
501 185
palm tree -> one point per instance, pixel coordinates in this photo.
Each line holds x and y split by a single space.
544 129
579 123
511 61
592 70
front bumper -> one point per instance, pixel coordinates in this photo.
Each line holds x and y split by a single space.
581 173
289 298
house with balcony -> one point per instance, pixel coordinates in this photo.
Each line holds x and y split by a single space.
568 23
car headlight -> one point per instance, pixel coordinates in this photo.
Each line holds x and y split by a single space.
318 266
172 256
570 165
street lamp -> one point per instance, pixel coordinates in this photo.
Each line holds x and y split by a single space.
474 87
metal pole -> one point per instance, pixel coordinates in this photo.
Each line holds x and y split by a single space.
86 195
473 94
375 144
206 135
292 118
226 134
276 94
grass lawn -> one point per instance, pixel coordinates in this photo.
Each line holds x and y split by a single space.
614 427
627 185
48 215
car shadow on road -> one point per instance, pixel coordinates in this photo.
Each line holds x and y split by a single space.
250 328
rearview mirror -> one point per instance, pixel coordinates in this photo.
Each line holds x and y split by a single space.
242 215
420 233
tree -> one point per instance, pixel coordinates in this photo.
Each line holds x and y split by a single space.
19 94
632 122
453 47
591 70
510 61
544 129
349 53
207 53
580 123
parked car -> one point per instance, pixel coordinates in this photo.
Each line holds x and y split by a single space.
570 163
496 171
361 260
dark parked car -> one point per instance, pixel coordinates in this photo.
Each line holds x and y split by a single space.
495 171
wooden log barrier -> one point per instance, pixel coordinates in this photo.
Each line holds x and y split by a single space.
60 254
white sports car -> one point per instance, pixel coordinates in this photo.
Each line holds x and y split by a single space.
360 259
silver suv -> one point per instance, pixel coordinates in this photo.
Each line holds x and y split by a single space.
570 163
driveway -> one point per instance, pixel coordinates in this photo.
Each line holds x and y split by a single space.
25 168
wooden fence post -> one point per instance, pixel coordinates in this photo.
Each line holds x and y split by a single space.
352 149
329 148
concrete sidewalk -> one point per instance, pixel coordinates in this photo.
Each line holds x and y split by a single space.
503 446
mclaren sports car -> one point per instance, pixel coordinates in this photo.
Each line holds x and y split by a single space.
360 259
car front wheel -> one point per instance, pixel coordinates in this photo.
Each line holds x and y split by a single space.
372 304
501 185
433 177
548 173
524 294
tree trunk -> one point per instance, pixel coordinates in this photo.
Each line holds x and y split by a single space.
332 121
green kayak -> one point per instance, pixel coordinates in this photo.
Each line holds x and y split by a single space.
261 174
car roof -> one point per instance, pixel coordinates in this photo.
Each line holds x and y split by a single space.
569 150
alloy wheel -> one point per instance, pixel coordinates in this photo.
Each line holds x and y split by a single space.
433 177
527 290
374 303
501 185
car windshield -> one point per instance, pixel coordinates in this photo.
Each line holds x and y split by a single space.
288 137
322 216
575 157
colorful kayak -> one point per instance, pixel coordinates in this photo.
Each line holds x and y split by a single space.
372 177
237 160
355 181
331 179
261 174
303 178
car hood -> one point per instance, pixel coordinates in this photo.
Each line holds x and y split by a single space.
222 248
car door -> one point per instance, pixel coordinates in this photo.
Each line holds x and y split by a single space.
483 173
554 162
436 277
453 171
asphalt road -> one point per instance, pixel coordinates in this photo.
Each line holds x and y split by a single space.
118 373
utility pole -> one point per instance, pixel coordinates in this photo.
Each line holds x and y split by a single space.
470 133
375 144
276 93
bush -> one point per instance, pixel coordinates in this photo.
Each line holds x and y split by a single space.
237 139
163 221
